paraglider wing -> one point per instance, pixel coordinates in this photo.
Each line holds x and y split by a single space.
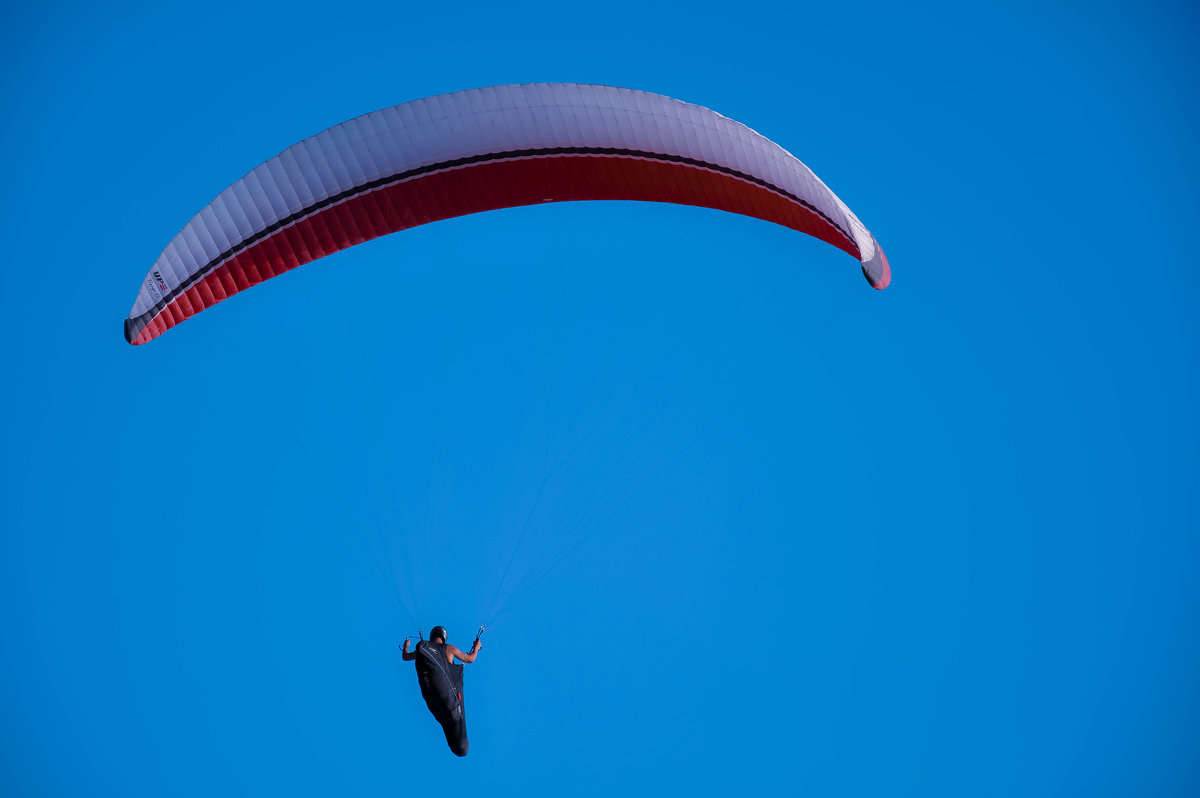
480 150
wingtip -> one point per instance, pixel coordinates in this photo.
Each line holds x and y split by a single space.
877 270
135 332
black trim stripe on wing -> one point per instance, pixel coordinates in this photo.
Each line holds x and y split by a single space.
134 326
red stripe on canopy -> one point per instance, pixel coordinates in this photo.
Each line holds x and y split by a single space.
482 187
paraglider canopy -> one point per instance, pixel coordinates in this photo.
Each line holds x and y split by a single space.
479 150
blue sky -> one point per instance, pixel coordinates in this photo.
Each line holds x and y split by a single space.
807 536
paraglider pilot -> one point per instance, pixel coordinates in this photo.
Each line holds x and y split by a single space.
441 680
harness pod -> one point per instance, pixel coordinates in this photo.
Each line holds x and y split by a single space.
441 687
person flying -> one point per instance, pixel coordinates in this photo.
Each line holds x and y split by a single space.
441 680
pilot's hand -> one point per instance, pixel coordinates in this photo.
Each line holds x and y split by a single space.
405 646
476 646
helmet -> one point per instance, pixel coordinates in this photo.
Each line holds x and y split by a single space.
439 631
